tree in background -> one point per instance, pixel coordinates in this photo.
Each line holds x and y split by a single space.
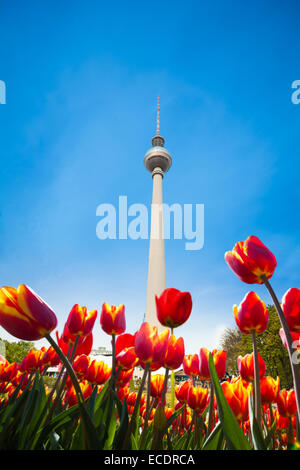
269 346
16 351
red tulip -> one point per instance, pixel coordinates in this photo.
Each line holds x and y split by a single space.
123 393
251 314
191 365
24 314
173 307
112 319
32 361
291 308
182 390
80 322
250 259
236 395
131 399
246 367
98 372
81 365
219 358
198 398
68 337
85 345
269 389
50 358
157 383
3 362
168 412
8 372
126 340
86 390
61 343
127 359
286 403
124 377
149 346
174 354
184 421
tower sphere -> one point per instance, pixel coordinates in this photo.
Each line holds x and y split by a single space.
158 156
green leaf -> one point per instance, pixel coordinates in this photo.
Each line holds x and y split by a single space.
89 433
270 433
57 423
173 417
54 441
111 426
123 424
215 439
134 445
181 443
257 436
233 434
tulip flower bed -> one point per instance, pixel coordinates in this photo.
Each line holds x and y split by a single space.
90 405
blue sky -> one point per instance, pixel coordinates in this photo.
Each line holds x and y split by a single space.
82 80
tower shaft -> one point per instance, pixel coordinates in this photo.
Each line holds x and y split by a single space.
157 161
156 282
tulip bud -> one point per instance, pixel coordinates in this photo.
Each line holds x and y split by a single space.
112 319
173 307
251 314
80 322
174 354
286 403
127 359
219 358
86 390
181 391
149 346
236 395
198 398
191 365
157 383
250 260
24 314
291 308
246 367
269 389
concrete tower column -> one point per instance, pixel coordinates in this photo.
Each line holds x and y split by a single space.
156 267
157 161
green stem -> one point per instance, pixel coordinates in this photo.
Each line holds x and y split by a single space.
147 414
290 434
148 400
68 366
211 408
71 352
257 398
165 387
134 413
113 365
271 423
297 430
172 383
289 340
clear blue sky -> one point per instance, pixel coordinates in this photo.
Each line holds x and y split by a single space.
82 80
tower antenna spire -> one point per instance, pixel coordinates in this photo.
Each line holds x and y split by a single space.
158 118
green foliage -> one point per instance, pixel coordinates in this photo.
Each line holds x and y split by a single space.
16 351
235 438
269 346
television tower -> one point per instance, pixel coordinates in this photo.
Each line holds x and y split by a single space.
158 161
